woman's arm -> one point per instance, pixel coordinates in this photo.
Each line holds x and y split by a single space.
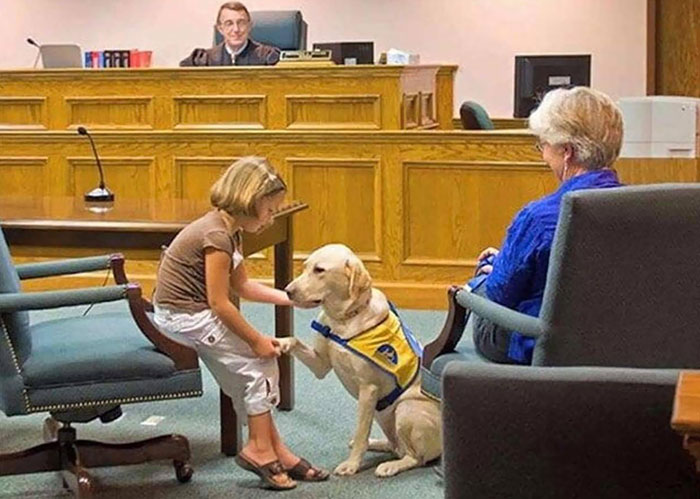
217 264
255 291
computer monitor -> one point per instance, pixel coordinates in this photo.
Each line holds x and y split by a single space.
535 75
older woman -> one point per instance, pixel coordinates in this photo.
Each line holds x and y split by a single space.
579 134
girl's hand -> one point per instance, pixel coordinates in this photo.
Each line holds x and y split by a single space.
266 347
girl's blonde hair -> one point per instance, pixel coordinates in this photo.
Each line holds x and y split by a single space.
245 182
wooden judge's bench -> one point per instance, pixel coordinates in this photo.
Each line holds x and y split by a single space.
285 97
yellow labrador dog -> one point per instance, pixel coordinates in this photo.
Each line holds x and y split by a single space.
335 278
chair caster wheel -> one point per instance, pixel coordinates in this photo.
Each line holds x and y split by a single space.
183 471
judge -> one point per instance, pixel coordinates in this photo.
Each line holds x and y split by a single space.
238 49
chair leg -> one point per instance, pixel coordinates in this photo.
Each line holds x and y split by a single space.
72 457
94 454
44 457
231 428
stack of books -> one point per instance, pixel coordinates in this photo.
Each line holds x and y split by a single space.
118 58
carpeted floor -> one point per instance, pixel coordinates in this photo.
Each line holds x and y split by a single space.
318 428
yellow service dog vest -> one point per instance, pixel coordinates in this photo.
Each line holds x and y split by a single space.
389 346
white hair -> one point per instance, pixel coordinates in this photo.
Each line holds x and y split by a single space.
588 120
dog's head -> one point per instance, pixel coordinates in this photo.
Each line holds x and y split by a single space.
333 277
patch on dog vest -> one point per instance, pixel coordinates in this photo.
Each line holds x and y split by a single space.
389 346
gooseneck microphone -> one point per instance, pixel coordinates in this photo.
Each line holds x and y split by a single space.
100 194
30 41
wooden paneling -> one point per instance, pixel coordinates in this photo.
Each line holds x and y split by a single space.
110 112
23 174
658 170
385 194
677 49
500 123
334 186
297 96
132 177
455 209
28 113
194 176
226 111
319 112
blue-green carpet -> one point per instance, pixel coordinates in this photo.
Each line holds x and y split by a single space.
318 428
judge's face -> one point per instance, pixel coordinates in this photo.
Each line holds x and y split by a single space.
234 26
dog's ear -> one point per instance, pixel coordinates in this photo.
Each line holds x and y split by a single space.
359 279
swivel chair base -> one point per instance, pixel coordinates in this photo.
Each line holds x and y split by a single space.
64 453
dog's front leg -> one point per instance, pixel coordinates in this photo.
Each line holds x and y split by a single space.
317 361
366 402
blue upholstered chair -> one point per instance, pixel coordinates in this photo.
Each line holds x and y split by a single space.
81 368
620 318
474 117
284 29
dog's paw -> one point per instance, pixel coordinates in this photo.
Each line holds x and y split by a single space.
287 344
347 468
390 468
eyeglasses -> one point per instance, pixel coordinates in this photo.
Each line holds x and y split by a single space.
539 145
240 24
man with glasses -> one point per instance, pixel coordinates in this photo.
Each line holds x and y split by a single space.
237 49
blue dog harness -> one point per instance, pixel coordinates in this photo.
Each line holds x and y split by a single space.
389 346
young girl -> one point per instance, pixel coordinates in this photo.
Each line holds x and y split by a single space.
197 271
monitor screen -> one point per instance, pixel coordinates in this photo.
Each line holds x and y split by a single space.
535 75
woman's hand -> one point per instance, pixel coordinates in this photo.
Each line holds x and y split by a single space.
483 265
266 347
487 253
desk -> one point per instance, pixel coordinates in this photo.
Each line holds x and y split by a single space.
686 413
292 97
65 228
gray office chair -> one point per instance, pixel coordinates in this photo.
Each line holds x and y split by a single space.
82 368
620 318
284 29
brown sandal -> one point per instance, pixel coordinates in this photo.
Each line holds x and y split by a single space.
266 472
300 471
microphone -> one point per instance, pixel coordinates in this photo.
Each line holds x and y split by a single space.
30 41
100 194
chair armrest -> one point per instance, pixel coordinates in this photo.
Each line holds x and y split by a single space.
68 266
545 432
13 302
451 331
184 356
503 316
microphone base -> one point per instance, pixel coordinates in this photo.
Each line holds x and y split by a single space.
99 195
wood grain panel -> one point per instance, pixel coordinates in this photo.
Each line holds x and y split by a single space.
677 54
453 210
658 170
362 112
195 175
427 111
128 177
417 206
344 198
110 112
23 174
224 111
410 115
28 113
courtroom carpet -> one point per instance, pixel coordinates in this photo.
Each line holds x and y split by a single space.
319 428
